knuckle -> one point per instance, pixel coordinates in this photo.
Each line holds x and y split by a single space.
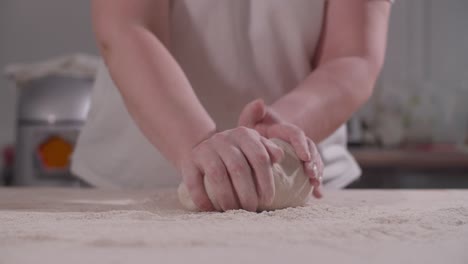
244 132
239 131
215 173
219 137
236 152
242 129
238 167
262 159
297 132
201 149
237 170
252 132
218 180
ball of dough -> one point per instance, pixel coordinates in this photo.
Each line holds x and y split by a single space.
292 185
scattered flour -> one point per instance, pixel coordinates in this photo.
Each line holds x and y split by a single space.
346 222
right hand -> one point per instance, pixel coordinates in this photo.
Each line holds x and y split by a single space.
237 164
269 124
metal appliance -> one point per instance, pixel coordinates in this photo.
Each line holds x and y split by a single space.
51 112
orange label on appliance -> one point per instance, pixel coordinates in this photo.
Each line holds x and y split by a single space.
55 153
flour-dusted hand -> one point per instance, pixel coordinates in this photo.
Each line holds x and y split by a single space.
237 164
264 120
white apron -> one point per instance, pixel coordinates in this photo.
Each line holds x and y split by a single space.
232 52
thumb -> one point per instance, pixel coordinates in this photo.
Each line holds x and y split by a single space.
253 113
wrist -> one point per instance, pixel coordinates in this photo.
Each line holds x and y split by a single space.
196 138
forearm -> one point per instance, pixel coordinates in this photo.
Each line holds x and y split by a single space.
350 56
156 92
328 96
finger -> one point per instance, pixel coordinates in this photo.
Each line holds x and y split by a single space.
218 179
260 162
193 180
299 143
317 158
314 169
315 182
276 153
252 113
241 175
317 192
294 136
311 170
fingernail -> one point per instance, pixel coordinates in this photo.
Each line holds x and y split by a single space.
305 156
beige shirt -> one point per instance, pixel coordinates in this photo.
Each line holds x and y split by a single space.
232 52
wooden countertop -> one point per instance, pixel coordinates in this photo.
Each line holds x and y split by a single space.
351 226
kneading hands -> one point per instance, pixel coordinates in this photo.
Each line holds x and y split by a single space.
238 162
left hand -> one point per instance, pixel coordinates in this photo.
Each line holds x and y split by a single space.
268 123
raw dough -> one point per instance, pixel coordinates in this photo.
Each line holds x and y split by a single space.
292 186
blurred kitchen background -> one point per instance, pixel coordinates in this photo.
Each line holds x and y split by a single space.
412 134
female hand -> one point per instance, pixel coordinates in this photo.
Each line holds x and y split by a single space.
264 120
237 164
